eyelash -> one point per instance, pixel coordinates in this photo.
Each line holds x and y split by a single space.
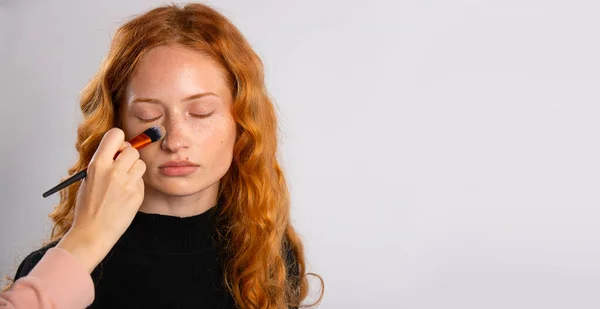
193 115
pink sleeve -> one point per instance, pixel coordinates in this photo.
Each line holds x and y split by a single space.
59 280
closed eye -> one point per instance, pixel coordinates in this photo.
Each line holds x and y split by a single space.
193 115
149 120
202 115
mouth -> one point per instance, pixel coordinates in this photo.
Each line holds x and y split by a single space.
178 168
178 163
183 170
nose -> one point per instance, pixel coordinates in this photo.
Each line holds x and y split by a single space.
175 134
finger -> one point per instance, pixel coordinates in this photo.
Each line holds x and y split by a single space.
126 158
123 146
109 145
138 169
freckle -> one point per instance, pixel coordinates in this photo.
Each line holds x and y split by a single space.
221 142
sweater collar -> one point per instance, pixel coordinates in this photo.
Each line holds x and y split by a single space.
170 234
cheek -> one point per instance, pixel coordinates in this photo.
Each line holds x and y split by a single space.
221 131
131 129
215 141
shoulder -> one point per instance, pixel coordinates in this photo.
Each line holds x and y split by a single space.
32 259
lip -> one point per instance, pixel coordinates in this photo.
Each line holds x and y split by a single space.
178 163
178 168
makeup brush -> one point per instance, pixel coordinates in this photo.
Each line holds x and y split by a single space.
144 139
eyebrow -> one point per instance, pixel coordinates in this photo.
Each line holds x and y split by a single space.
190 98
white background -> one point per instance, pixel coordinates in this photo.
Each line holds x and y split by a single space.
440 154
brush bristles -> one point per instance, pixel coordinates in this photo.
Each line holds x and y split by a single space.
155 133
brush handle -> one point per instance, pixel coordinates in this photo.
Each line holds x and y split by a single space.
138 144
82 174
66 183
142 140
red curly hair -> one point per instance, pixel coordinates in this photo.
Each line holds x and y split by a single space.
254 220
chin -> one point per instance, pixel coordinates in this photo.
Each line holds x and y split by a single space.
178 186
178 191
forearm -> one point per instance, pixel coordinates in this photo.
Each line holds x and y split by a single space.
87 247
59 280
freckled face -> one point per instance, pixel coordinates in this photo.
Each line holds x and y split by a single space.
186 92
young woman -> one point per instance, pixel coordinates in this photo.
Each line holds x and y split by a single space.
213 226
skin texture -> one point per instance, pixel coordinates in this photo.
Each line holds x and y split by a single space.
200 129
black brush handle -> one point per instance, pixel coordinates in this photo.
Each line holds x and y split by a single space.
66 183
142 140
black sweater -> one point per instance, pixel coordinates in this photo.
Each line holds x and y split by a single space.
160 262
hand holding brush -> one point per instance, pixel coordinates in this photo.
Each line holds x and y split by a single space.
109 197
147 137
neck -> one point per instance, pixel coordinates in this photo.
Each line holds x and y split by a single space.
157 202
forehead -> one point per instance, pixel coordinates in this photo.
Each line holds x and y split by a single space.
174 69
